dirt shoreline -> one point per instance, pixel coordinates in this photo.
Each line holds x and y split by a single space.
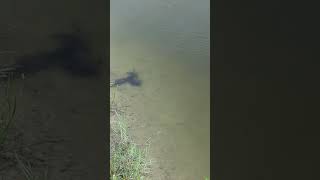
120 95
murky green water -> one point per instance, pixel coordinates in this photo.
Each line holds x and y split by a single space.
167 43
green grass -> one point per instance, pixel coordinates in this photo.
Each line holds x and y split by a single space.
127 160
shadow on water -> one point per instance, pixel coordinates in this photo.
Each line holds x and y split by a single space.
72 56
132 79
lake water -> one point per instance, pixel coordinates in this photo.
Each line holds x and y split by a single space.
167 43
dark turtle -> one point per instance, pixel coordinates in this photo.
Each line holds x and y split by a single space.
132 79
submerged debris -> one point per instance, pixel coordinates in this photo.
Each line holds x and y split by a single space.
132 79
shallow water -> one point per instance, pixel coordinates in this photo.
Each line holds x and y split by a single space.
167 44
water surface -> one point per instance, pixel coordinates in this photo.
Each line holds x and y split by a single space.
167 43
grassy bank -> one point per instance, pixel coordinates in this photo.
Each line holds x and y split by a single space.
127 160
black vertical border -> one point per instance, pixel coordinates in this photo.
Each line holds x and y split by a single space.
105 63
108 89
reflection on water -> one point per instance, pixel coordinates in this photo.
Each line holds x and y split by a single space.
167 43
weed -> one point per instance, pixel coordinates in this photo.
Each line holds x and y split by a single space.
128 160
